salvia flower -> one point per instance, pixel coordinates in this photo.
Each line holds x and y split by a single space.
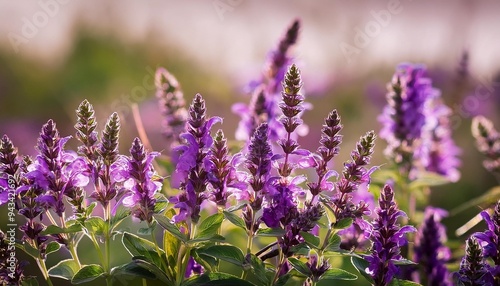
403 118
252 115
490 239
330 142
441 152
104 166
60 173
388 238
487 142
172 105
222 174
86 130
473 270
353 175
258 163
141 181
269 86
429 251
190 174
292 108
9 166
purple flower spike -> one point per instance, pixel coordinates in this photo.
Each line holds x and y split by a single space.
85 127
9 165
221 173
292 108
60 173
279 59
440 153
316 268
172 105
403 118
253 115
190 174
388 237
490 239
330 141
473 270
142 182
487 142
430 251
353 176
416 125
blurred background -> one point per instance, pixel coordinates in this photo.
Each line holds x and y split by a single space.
54 54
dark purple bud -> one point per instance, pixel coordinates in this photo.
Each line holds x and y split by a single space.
86 130
487 142
172 105
388 238
473 270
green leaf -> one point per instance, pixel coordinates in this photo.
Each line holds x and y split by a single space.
490 197
96 225
237 207
300 266
52 229
164 222
65 269
310 239
404 261
216 279
161 203
271 232
147 230
33 252
234 219
283 279
343 223
131 269
52 247
210 225
361 265
120 214
399 282
89 209
427 179
209 238
87 274
159 274
337 274
229 253
333 243
208 262
259 269
138 246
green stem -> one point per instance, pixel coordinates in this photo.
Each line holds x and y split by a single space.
153 238
278 269
74 254
45 272
144 282
99 252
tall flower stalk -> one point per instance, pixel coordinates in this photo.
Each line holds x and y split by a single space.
488 143
388 238
473 270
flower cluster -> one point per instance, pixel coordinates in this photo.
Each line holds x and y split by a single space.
388 238
416 125
490 240
430 251
473 270
172 104
190 174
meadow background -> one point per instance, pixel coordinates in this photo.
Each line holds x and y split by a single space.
107 52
